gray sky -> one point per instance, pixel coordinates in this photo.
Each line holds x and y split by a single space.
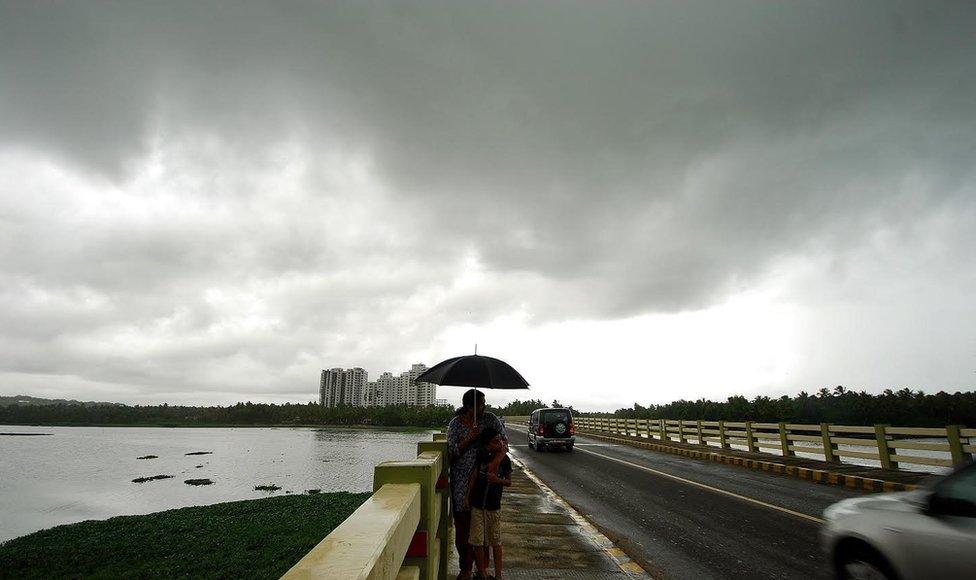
629 201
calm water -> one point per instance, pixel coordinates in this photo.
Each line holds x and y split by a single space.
83 473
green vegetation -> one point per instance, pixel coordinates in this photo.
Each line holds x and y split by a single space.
151 478
271 487
241 414
841 406
28 400
259 538
25 434
523 408
198 482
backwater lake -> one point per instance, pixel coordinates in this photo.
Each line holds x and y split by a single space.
82 473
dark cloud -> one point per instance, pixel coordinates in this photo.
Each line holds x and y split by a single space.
237 187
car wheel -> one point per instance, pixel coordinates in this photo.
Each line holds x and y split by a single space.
540 447
569 448
864 565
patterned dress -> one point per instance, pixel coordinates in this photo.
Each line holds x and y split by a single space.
463 465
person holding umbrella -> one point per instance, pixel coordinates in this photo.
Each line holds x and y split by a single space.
462 436
463 431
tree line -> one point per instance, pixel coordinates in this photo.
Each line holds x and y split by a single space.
46 412
840 406
905 407
239 414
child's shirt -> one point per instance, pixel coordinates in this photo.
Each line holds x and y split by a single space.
484 495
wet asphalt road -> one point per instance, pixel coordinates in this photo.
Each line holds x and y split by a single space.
676 529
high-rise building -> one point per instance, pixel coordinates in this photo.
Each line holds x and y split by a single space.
371 393
343 387
426 392
384 390
351 387
405 390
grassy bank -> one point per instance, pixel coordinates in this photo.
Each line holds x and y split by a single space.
259 538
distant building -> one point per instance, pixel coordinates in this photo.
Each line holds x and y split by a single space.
426 392
343 387
384 390
371 394
351 387
442 403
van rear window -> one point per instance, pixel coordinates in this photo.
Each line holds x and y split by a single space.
550 417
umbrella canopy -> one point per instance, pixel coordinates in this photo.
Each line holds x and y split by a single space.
474 371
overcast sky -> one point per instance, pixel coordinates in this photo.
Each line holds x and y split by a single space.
627 200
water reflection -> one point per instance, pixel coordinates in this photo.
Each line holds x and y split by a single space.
81 473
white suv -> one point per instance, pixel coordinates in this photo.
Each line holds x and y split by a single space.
916 534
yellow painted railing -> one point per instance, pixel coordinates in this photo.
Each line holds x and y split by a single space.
400 533
889 446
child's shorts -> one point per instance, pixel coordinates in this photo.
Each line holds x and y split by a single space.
486 527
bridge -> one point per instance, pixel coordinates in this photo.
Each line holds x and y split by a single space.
639 499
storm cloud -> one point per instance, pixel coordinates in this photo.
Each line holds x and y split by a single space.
210 202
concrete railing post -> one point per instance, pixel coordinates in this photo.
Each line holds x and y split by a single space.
750 440
444 491
701 441
884 453
425 548
784 441
721 435
663 427
956 451
828 445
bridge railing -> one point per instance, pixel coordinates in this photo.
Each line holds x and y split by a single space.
400 533
891 447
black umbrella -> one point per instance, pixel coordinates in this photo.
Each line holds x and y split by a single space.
474 371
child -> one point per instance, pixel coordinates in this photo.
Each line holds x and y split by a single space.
493 471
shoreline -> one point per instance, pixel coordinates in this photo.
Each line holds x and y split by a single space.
231 426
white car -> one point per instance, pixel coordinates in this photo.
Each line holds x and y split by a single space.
922 534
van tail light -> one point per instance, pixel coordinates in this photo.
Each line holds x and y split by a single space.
572 428
540 430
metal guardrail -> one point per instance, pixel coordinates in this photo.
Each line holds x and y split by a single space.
889 446
400 533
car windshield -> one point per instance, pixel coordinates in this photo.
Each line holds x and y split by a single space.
959 492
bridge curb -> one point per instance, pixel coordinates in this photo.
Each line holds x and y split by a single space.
821 476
